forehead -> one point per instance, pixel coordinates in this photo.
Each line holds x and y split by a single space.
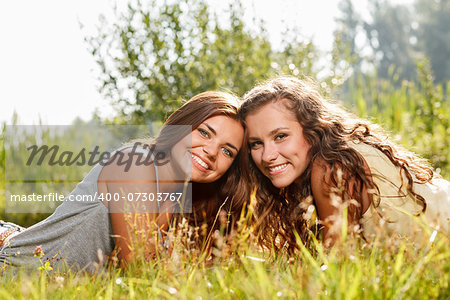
272 116
226 127
221 119
278 109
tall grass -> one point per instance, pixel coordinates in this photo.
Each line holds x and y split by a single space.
384 269
416 115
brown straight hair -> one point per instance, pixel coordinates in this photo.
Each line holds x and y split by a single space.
230 193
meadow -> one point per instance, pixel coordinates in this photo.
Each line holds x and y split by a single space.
416 114
388 269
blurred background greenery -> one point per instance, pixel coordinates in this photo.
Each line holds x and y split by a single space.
392 67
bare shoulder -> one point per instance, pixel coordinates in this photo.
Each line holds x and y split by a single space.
321 191
122 165
325 176
124 174
129 185
320 176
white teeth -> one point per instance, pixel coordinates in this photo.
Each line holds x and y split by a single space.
200 161
277 168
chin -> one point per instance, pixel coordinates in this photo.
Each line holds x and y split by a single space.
281 183
201 180
199 177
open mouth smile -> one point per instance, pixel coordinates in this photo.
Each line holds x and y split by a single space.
274 170
199 163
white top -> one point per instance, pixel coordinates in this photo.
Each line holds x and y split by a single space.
397 212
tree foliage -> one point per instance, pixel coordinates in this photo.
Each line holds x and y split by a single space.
434 36
389 34
397 37
345 50
155 54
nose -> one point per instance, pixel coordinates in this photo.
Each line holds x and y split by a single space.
269 153
211 149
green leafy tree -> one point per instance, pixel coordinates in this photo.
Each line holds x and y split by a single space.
155 54
346 59
345 51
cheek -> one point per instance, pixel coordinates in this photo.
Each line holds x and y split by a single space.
255 156
224 166
185 142
292 149
176 149
302 158
305 150
194 140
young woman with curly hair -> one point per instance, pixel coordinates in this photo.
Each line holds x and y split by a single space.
308 151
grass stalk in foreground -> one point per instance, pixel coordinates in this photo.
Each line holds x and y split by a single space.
385 269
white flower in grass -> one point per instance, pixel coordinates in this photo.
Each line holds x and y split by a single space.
255 258
433 236
59 279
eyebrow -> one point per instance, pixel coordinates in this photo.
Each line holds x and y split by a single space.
215 133
210 128
270 133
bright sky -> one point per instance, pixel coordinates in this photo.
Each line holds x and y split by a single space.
46 71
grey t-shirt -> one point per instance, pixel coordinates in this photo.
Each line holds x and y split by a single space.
78 234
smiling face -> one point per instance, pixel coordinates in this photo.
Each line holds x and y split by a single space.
210 149
277 145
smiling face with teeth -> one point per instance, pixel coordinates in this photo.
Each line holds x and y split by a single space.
210 149
277 144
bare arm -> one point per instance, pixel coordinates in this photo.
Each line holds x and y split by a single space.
327 197
135 228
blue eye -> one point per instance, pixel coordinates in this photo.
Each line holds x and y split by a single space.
227 152
203 132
